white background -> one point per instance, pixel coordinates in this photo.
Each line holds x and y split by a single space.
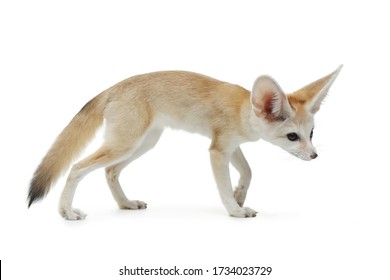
324 219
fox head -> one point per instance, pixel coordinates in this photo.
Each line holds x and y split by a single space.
288 118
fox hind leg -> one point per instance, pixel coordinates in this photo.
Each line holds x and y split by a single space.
113 172
108 154
125 132
102 157
112 176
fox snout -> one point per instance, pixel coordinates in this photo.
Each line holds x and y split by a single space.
306 155
312 152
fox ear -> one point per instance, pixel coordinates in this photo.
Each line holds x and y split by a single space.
314 93
269 100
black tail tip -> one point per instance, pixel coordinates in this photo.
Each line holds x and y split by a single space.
30 201
37 190
34 197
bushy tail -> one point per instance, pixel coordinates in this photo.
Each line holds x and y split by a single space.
67 146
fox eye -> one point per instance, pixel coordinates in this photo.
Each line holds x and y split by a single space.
311 134
292 136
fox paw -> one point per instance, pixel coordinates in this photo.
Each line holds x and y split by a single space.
133 205
244 212
72 214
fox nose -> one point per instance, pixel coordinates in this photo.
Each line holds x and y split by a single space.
313 156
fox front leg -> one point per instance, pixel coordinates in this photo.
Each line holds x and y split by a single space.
220 165
239 162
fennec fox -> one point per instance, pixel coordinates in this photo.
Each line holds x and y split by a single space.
137 110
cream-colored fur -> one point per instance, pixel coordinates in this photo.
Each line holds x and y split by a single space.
138 109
